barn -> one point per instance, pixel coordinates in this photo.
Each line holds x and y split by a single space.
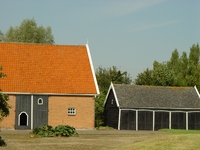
48 85
138 107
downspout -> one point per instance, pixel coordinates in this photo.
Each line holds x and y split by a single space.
94 111
136 127
31 112
119 118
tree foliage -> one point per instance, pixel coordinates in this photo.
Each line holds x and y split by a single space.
28 32
4 107
104 77
1 36
107 75
178 71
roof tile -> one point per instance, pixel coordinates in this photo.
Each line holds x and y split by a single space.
139 96
37 68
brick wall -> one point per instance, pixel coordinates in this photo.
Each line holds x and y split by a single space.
9 122
58 109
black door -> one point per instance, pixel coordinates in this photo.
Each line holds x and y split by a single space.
40 110
23 112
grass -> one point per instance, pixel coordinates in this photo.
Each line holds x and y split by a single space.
179 131
83 142
104 128
169 139
178 139
171 142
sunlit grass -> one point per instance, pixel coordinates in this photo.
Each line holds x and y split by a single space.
179 131
104 128
174 141
180 139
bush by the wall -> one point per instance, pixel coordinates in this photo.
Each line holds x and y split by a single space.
45 130
2 142
61 130
65 130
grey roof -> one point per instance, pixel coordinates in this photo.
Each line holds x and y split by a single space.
136 96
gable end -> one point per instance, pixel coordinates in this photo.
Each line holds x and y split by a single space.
111 88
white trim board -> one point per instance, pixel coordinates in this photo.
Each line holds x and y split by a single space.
196 91
159 110
92 68
31 112
107 94
18 93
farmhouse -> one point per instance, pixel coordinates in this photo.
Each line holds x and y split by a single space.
138 107
48 84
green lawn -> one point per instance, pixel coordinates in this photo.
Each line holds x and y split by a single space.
104 128
178 139
83 142
179 131
168 139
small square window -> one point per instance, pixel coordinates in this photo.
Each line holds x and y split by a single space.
40 101
71 111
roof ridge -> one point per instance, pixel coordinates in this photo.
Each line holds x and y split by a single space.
37 44
172 87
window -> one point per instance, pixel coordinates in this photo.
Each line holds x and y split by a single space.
71 111
112 101
40 101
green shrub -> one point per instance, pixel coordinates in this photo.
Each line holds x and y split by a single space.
45 130
2 142
61 130
65 130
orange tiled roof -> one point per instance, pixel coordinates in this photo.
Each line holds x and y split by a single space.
37 68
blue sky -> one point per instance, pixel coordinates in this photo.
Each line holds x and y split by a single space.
129 34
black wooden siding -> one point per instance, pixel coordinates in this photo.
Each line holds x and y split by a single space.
194 121
161 120
178 120
40 112
111 111
128 120
145 120
23 104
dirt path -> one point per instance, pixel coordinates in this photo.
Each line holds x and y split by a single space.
84 131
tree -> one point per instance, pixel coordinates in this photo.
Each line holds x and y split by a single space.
1 36
104 77
193 74
178 71
144 78
162 75
99 109
28 32
107 75
4 107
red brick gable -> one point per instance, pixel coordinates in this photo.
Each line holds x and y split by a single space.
37 68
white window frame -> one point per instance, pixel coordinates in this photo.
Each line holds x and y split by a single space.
39 100
71 111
